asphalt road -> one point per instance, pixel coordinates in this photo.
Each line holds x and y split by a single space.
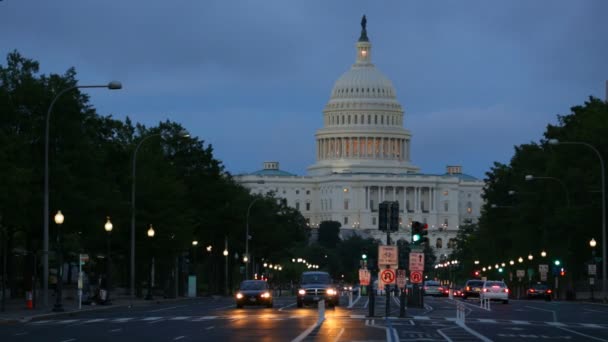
209 319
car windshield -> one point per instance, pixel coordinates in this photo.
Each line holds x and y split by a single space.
539 287
316 278
253 285
495 283
432 283
475 283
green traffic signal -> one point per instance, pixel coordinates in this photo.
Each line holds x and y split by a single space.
363 256
556 262
416 237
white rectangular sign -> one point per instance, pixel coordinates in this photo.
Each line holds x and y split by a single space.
521 273
591 269
417 261
543 268
387 255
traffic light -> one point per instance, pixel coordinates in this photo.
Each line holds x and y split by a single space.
557 262
416 232
383 209
477 273
562 272
424 232
364 256
394 217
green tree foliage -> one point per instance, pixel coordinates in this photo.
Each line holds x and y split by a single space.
329 233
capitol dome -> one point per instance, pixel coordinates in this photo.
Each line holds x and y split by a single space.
363 122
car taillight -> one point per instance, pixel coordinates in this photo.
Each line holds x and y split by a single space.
531 290
507 290
549 291
468 288
485 290
426 288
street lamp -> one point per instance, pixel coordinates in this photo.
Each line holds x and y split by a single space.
511 262
45 247
225 265
603 178
543 254
592 244
531 178
108 227
530 257
194 243
149 294
182 134
247 237
520 260
59 221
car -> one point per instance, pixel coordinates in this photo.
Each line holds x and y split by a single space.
457 291
316 286
253 292
539 290
495 290
472 288
432 288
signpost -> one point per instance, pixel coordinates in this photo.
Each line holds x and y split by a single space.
364 277
401 279
416 277
417 261
387 255
543 269
388 276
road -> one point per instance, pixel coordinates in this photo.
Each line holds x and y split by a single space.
217 319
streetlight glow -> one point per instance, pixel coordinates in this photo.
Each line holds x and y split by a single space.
108 226
59 217
511 262
151 231
194 243
225 252
592 243
530 257
520 260
543 254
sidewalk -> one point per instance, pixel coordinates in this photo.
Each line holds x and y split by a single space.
16 311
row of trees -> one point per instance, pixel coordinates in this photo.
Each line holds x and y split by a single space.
182 189
558 214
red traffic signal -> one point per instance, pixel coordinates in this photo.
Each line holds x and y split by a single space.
477 273
562 272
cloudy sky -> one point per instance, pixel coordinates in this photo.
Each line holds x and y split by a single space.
251 77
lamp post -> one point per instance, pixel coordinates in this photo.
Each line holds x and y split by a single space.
532 177
603 178
183 134
247 237
59 221
149 294
225 265
592 244
45 247
108 227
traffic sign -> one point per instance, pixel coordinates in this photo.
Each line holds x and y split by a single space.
401 278
521 273
591 269
364 277
388 276
416 261
84 258
416 277
387 255
543 268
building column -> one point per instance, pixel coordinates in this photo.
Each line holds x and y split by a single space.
366 197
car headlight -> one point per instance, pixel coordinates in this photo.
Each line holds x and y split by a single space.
302 292
266 295
350 288
239 295
331 292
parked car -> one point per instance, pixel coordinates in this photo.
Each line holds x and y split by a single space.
472 288
495 290
315 286
253 292
539 290
432 288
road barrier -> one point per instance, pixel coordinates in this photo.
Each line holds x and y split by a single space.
484 303
460 315
321 306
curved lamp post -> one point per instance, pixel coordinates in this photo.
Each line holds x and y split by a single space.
603 178
183 134
149 294
45 246
108 228
59 221
247 237
532 177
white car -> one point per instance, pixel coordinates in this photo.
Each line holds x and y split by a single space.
495 290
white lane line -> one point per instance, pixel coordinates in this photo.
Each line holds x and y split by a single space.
115 330
556 324
440 332
486 320
122 320
157 321
591 310
339 335
43 321
20 334
95 320
306 332
169 308
591 325
69 340
553 312
412 322
179 318
286 306
423 318
209 328
66 321
151 318
354 302
204 318
473 332
581 334
520 322
357 316
178 338
366 303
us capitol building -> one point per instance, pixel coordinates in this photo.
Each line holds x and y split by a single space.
363 158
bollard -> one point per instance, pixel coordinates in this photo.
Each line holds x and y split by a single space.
372 300
350 299
321 306
460 316
388 300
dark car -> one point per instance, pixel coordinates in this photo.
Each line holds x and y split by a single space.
253 292
472 288
316 286
539 290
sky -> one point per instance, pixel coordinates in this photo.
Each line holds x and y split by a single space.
251 78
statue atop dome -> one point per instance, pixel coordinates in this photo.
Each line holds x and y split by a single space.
363 37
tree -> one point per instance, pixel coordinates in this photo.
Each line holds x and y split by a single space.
329 233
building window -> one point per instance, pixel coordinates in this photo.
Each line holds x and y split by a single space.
469 207
445 206
445 193
439 243
297 205
297 192
345 204
308 192
307 206
373 221
407 206
445 223
452 243
345 220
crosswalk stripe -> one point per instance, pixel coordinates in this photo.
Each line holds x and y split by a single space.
354 316
520 322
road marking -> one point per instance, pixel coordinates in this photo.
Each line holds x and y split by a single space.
357 316
69 340
151 318
209 328
95 320
178 338
21 333
339 335
366 303
520 322
473 332
158 320
556 324
204 318
179 318
585 335
43 321
553 312
412 322
116 330
354 302
591 325
306 332
591 310
440 332
486 320
66 321
122 320
169 308
422 318
286 306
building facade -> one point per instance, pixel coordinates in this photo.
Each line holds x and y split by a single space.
363 158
